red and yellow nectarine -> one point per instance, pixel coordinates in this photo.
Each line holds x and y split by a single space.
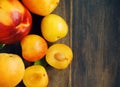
15 21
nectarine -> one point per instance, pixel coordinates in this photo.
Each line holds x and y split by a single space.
15 21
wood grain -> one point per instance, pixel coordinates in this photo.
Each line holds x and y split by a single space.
96 43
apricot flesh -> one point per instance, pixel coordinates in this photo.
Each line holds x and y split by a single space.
59 56
35 76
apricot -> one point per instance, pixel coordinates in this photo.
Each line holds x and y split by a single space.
11 70
35 76
41 7
53 27
34 47
59 56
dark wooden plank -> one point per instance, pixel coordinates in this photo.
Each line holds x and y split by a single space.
96 43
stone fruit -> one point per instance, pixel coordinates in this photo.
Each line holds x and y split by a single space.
53 27
41 7
35 76
34 47
59 56
11 70
15 21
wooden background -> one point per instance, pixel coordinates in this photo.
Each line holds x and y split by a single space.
94 36
96 43
95 39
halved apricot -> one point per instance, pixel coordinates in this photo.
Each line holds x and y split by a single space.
59 56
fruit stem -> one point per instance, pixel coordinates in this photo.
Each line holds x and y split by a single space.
1 46
41 62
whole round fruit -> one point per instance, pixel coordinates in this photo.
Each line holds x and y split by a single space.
41 7
15 21
53 27
35 76
59 56
34 47
11 69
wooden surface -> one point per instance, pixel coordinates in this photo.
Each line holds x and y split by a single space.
95 33
94 36
96 43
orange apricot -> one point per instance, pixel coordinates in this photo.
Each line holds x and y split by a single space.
34 47
53 27
12 69
41 7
